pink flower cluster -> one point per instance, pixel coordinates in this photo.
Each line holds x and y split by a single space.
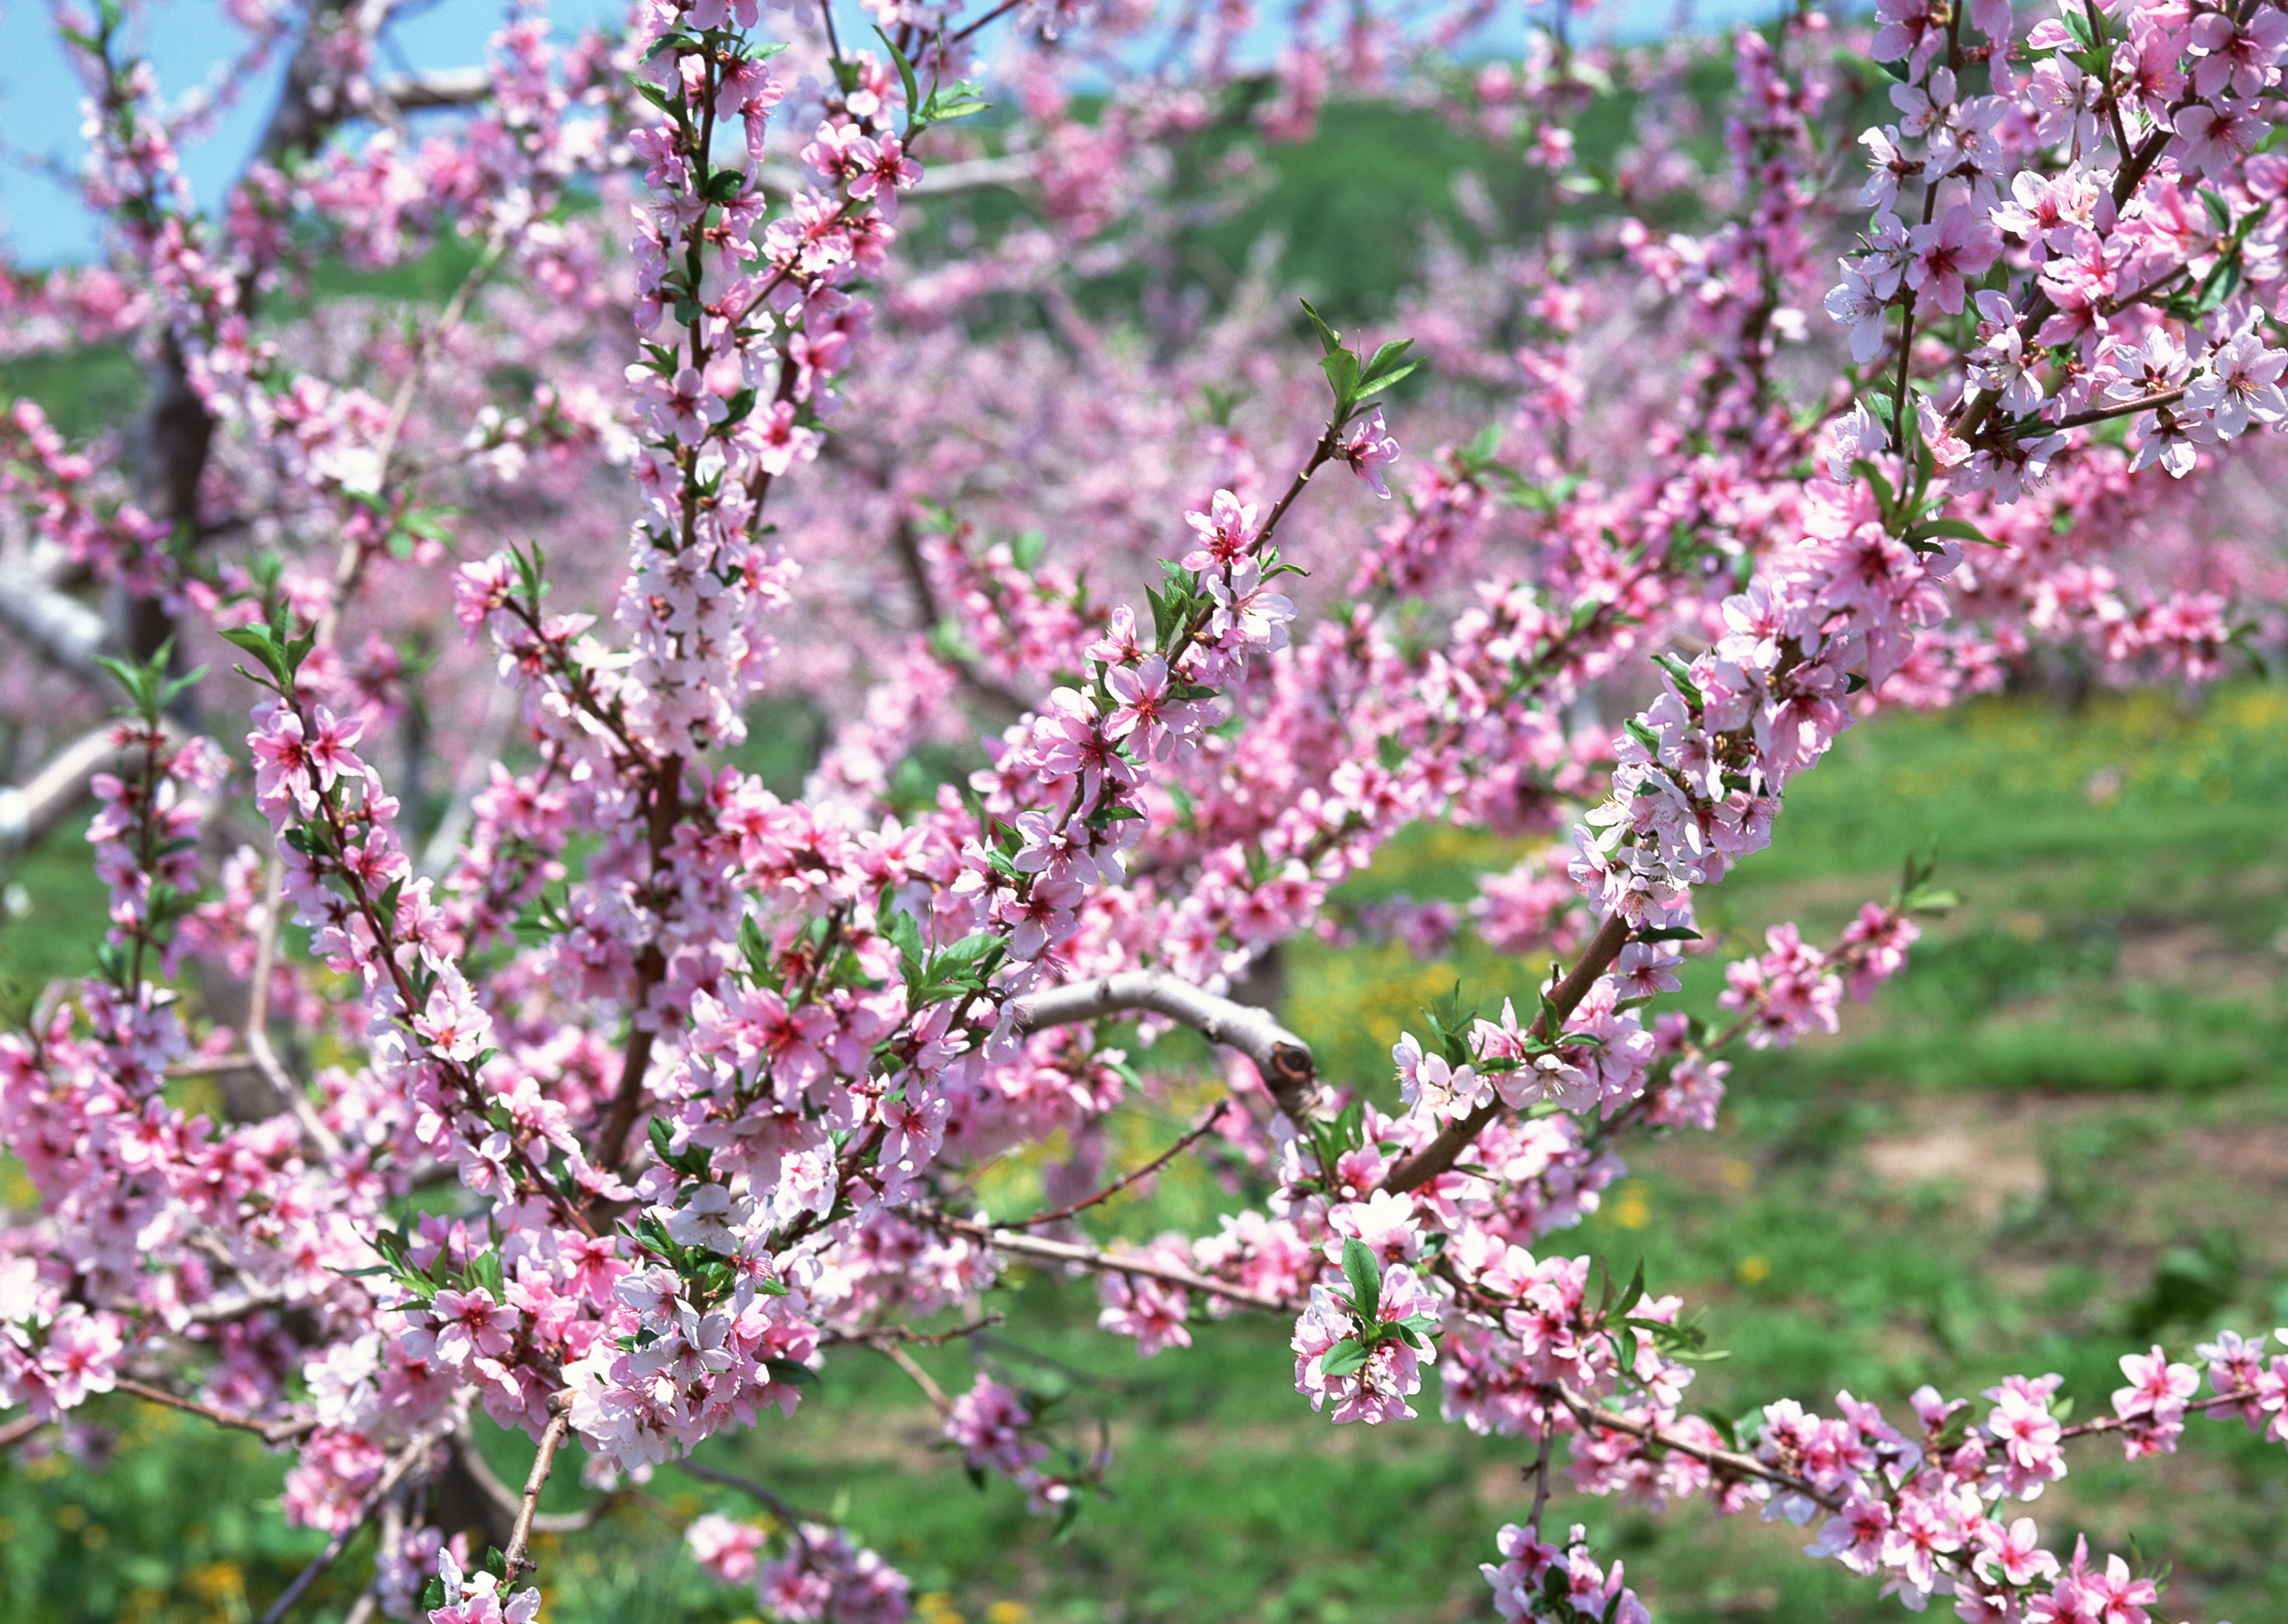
700 1071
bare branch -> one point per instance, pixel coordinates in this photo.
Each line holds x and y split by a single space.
268 1431
224 1310
31 810
1283 1058
513 1560
1102 1262
17 1430
967 175
907 1362
395 1473
908 1335
291 1096
213 1065
473 1462
1728 1460
435 87
52 621
747 1486
1214 1115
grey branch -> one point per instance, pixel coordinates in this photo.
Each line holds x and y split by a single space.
962 175
51 622
1283 1058
439 87
30 810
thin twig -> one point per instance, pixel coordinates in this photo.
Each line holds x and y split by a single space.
488 1484
921 1378
1003 10
213 1066
1106 1263
2116 1423
1214 1115
1539 1472
390 1478
778 1505
268 1431
350 564
1588 1415
911 1337
322 1137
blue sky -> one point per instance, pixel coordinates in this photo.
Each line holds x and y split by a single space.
44 223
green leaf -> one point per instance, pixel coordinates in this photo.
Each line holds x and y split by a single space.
2222 281
1956 529
791 1373
1329 340
1680 674
905 71
1364 1272
1345 1356
1634 1292
962 102
256 640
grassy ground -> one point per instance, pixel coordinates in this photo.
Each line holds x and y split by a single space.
2058 1134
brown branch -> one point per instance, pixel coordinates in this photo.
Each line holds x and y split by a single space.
1214 1115
2040 307
779 1506
908 1334
213 1065
513 1560
1457 1137
651 967
391 1477
1726 1460
2101 414
1102 1262
921 1378
268 1431
907 547
2116 1423
320 1137
507 1501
